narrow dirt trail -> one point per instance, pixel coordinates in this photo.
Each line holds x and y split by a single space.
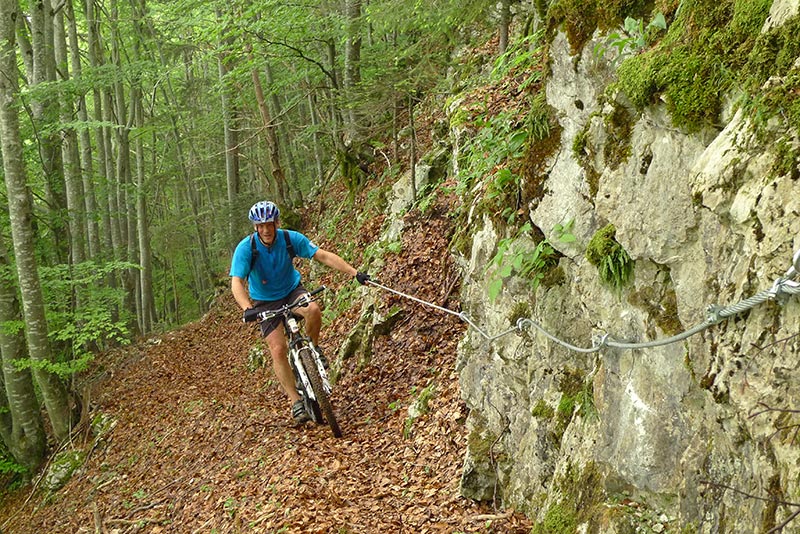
202 444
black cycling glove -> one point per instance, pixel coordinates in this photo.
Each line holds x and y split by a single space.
249 315
362 278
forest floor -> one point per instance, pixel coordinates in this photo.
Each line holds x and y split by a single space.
201 444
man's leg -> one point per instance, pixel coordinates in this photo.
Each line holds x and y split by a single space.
313 317
280 364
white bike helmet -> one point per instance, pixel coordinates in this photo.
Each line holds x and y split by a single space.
264 212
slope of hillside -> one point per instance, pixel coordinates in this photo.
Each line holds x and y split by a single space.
201 444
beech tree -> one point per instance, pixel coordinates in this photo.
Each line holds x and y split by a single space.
20 211
21 424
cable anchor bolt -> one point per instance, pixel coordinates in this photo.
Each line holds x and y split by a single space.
523 324
714 316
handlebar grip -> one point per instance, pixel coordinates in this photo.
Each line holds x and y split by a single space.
250 315
320 289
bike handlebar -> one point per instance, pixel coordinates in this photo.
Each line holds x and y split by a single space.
253 314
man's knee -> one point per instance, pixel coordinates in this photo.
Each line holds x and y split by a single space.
313 311
277 346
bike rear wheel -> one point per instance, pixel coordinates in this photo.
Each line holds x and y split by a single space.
323 400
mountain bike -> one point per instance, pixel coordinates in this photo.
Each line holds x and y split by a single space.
311 377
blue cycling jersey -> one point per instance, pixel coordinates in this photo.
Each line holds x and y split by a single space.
273 276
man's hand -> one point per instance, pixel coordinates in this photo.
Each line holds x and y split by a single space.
247 315
362 278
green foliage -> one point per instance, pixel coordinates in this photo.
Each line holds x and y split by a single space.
582 500
706 52
580 18
541 410
492 156
8 465
612 261
510 260
632 39
63 368
418 408
395 248
342 302
427 196
498 138
523 54
781 98
92 324
619 127
539 118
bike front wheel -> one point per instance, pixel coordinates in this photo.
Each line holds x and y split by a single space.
323 400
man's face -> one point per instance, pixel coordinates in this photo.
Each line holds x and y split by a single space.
266 231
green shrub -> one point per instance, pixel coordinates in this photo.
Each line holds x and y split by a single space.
533 265
612 261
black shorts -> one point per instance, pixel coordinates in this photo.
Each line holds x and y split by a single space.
262 305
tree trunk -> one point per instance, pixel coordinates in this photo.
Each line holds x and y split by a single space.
95 53
312 112
69 150
283 135
147 312
145 299
505 22
272 141
24 43
334 96
91 229
45 117
411 102
20 420
352 64
21 214
230 125
128 244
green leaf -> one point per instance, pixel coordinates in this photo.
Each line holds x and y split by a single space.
658 21
506 271
631 25
504 175
516 141
494 288
567 238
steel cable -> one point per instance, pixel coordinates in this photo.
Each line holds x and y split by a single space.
783 285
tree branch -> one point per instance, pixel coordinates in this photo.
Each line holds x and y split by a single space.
300 53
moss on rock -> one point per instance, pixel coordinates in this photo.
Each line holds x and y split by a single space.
63 465
619 126
581 501
612 261
711 48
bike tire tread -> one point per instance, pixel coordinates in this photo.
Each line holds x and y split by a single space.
319 392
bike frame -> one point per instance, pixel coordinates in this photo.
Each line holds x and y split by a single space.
310 374
298 343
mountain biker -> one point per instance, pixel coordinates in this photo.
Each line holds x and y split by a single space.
264 259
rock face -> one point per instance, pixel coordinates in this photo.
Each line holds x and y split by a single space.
670 437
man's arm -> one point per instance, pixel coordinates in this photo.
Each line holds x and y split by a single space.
240 293
334 261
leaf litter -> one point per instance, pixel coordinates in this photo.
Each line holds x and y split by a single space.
201 444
